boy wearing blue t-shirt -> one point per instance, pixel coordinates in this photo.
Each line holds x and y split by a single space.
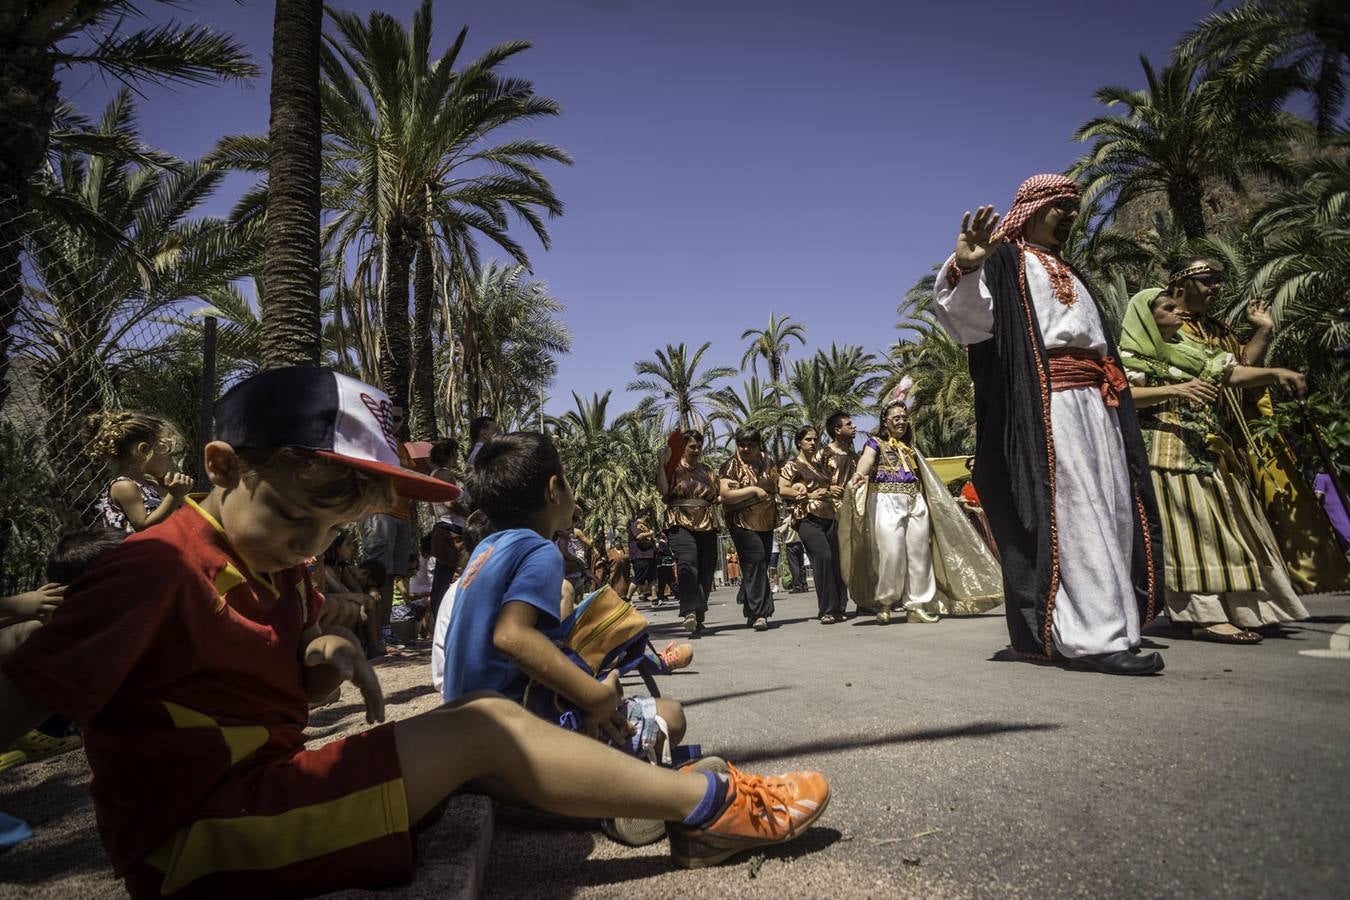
509 597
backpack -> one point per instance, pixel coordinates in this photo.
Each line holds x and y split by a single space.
605 632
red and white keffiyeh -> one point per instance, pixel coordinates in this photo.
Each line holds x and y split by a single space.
1035 194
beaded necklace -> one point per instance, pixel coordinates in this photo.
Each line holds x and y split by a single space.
1061 276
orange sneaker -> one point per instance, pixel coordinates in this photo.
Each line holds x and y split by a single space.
759 811
677 656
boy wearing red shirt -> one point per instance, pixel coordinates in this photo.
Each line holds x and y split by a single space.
190 655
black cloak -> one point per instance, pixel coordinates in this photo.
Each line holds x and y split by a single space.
1014 448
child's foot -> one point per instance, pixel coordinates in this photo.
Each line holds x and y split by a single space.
677 656
884 617
641 832
920 616
36 745
759 811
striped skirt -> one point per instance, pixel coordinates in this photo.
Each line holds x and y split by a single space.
1203 535
1222 563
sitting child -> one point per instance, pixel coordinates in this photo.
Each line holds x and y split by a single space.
190 655
344 583
412 598
140 450
508 605
23 614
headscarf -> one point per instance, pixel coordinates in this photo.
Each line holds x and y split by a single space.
1146 351
1035 193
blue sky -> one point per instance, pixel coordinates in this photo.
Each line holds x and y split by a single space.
743 157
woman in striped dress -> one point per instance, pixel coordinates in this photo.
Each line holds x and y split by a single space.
1225 577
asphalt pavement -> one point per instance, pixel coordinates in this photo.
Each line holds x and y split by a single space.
955 774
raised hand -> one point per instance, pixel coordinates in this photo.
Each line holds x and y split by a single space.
972 242
1258 313
178 484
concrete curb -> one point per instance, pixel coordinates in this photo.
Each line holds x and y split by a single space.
452 855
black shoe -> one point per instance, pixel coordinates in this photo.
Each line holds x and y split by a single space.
1122 662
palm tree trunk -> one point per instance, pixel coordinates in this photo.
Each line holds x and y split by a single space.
423 411
396 346
776 372
28 98
290 310
1187 200
473 367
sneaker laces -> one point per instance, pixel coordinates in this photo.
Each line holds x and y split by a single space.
766 798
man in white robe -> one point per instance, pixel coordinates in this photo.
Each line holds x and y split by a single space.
1059 456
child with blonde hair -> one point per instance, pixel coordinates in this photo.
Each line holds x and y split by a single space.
139 448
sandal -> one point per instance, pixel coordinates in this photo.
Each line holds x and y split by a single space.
827 619
1218 637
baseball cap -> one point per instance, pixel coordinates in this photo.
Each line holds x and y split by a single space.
337 417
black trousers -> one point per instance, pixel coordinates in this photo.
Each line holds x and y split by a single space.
695 564
821 538
753 548
796 560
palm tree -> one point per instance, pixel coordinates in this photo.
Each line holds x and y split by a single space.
1177 135
41 39
845 379
1303 264
756 406
1278 47
411 165
83 323
291 266
521 338
942 394
771 345
608 464
678 388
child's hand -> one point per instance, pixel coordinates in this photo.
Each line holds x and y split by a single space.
39 604
604 718
177 484
343 653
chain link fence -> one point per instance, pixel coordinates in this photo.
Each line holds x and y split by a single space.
81 344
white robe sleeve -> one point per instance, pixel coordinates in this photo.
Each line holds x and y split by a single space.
967 310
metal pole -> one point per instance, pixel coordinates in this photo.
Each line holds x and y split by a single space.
208 419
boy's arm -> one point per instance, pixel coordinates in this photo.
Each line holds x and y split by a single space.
333 655
20 713
516 636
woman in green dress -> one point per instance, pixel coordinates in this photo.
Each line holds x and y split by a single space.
1225 577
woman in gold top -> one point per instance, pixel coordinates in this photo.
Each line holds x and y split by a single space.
690 491
1302 530
902 533
1223 568
812 494
749 483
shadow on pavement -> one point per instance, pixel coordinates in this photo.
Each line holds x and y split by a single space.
835 745
734 695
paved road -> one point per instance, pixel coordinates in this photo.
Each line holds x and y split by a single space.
957 775
954 775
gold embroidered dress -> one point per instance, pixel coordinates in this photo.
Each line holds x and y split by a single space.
903 540
1302 531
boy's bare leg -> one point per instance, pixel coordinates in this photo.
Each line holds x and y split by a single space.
482 737
673 714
